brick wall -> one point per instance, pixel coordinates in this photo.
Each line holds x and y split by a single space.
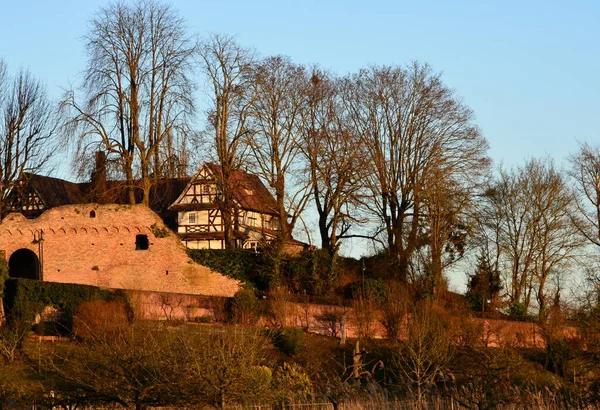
101 250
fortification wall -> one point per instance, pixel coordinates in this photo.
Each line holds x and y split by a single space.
96 245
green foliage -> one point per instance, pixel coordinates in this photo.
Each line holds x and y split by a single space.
483 286
243 265
292 383
313 271
375 290
558 354
245 307
159 232
3 272
289 340
25 298
517 311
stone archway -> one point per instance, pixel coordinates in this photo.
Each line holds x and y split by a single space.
24 263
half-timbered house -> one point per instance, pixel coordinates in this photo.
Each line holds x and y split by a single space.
200 223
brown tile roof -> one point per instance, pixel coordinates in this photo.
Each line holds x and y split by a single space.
248 190
54 191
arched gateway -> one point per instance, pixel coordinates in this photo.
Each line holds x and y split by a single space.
24 263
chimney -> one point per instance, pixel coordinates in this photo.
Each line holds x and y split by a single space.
98 180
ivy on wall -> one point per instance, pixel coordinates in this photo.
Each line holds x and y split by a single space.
25 298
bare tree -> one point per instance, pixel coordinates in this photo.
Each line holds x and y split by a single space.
585 172
138 94
134 366
447 200
228 366
277 112
27 129
333 156
426 352
227 66
410 124
553 203
533 206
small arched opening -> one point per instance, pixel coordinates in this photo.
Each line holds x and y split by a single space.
24 263
92 214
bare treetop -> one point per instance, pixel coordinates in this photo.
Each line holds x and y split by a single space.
27 128
137 86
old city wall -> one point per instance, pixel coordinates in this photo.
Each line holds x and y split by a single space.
96 245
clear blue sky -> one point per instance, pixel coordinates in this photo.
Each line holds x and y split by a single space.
528 69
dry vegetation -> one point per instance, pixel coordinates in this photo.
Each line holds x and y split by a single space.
440 360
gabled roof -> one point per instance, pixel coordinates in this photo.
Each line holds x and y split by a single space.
248 190
52 192
56 192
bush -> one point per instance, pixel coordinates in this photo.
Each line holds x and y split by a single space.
99 317
395 309
159 232
289 340
245 307
291 383
26 298
518 311
203 319
558 354
372 289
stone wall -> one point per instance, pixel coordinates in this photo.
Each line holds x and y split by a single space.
96 245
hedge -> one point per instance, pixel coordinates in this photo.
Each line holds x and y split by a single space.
244 265
25 298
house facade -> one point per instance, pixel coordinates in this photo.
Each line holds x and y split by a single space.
199 218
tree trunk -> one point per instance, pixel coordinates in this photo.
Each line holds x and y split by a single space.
130 186
323 231
147 185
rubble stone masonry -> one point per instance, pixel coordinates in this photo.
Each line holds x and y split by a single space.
95 244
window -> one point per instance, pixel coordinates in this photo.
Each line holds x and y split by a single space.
205 189
192 218
141 242
92 214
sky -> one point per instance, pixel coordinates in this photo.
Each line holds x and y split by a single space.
528 69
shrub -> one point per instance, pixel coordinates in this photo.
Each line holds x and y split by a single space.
245 307
26 298
278 306
330 322
159 232
394 310
99 317
291 383
289 340
373 289
203 319
558 354
518 311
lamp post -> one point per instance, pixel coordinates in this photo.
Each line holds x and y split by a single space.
40 242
